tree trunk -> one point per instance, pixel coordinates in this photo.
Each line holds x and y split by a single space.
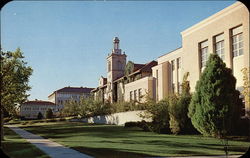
1 128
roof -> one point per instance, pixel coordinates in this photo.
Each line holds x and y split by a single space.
141 68
38 102
96 89
138 66
170 52
146 68
74 90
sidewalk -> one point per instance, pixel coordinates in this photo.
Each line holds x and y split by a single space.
53 149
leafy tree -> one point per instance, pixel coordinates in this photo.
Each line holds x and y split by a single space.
214 106
39 116
14 77
49 113
246 90
178 109
71 108
158 111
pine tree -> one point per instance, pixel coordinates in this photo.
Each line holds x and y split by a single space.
214 107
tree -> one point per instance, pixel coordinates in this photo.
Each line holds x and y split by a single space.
158 111
14 77
71 108
214 106
49 113
178 109
39 116
246 90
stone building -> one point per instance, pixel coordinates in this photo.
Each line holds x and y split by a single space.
64 95
30 109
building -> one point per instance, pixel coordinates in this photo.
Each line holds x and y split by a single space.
125 81
225 33
63 95
30 109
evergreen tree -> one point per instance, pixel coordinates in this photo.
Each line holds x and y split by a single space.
49 114
214 107
39 116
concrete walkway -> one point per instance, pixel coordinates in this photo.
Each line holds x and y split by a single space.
53 149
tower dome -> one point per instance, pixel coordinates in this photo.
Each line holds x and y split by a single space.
116 40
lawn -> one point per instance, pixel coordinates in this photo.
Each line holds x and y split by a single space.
110 141
16 147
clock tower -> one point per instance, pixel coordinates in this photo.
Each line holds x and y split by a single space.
116 62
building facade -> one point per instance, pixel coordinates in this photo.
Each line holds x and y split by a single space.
64 95
30 109
225 33
118 86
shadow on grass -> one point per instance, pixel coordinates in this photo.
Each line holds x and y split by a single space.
118 136
109 153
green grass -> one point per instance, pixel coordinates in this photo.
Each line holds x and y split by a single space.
109 141
16 147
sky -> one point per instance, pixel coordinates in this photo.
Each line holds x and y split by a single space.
67 42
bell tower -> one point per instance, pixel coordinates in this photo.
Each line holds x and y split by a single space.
116 62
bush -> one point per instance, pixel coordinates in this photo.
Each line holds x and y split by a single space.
178 112
49 113
141 124
39 116
159 114
131 124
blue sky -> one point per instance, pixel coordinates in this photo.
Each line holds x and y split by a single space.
67 42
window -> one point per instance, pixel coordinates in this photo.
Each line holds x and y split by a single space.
178 87
219 46
178 63
139 94
131 95
237 41
135 95
157 80
109 66
203 53
172 64
173 87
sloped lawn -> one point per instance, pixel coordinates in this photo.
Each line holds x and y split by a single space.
110 141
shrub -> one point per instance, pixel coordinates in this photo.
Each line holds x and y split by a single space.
131 124
49 113
70 108
145 126
214 108
39 116
159 114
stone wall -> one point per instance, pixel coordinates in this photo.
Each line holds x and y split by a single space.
117 118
